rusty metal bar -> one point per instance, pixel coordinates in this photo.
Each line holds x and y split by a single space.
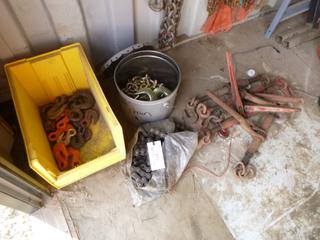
280 99
254 99
242 121
265 108
234 85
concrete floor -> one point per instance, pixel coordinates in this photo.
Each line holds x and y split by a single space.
282 202
48 223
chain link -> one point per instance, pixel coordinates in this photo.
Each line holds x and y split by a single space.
169 25
212 6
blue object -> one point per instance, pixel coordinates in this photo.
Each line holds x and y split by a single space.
296 9
281 11
285 12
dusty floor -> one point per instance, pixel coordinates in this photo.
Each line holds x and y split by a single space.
47 223
282 202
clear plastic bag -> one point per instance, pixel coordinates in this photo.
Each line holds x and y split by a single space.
177 148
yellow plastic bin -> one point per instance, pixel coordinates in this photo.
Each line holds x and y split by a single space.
37 81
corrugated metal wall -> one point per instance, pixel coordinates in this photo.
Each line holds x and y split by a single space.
29 27
35 26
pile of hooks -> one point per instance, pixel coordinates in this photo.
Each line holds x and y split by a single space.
145 89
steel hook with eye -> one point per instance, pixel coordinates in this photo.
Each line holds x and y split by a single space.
66 136
148 92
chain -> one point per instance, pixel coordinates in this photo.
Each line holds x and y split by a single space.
212 6
248 3
145 88
138 83
169 25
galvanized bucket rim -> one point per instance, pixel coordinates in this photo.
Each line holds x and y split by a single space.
174 92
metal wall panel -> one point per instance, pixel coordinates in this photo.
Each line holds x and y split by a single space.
147 22
31 27
193 15
103 27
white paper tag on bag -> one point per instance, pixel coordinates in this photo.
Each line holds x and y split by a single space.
155 155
